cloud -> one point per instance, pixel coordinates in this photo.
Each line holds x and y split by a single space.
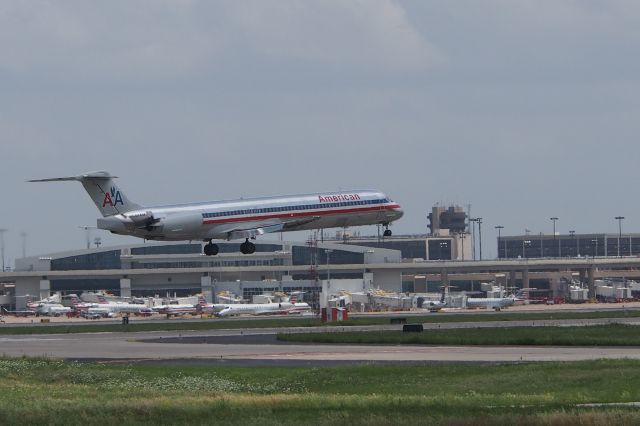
337 33
159 39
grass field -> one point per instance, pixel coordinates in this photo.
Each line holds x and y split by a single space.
600 335
214 324
56 393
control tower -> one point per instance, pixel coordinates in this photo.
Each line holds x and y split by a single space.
447 221
448 231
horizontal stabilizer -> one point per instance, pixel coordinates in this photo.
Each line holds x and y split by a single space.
86 176
59 179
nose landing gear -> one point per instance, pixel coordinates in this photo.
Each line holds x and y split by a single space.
387 231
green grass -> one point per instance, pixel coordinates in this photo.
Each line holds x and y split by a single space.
56 393
214 324
600 335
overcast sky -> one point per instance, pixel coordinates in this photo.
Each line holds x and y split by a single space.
523 109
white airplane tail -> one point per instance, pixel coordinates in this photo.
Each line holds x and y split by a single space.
102 189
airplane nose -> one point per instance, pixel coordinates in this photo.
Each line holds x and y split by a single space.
398 213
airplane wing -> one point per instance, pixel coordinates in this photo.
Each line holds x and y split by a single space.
238 233
240 230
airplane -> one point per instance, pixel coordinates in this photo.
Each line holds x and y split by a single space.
495 303
52 309
264 308
232 219
434 305
18 313
175 310
214 308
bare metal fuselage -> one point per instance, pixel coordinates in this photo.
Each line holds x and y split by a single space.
251 217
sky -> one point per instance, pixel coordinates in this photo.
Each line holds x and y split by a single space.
523 109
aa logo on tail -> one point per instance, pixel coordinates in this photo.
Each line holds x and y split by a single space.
112 198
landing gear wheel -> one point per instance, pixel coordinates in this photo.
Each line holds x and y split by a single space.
247 247
387 233
211 249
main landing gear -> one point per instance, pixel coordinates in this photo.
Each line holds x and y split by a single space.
247 247
387 231
211 249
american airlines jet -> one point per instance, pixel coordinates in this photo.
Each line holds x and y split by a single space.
233 219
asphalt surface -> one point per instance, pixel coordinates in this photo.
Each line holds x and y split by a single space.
258 347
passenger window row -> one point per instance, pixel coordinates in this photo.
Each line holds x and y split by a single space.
293 208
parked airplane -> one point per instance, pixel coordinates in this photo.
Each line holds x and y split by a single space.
18 313
234 219
264 309
175 310
52 309
210 308
495 303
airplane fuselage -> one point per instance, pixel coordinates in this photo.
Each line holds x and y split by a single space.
233 219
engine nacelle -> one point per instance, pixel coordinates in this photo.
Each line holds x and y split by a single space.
117 224
141 219
177 224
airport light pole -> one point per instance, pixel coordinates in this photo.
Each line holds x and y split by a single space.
479 220
2 231
553 219
500 228
619 219
328 253
364 266
473 237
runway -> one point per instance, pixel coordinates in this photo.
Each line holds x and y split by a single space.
258 346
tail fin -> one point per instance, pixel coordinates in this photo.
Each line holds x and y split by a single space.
104 192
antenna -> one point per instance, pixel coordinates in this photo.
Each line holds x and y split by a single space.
87 230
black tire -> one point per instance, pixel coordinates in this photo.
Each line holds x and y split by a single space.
211 249
387 233
247 248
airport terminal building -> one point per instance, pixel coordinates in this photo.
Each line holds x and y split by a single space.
180 269
568 245
353 264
